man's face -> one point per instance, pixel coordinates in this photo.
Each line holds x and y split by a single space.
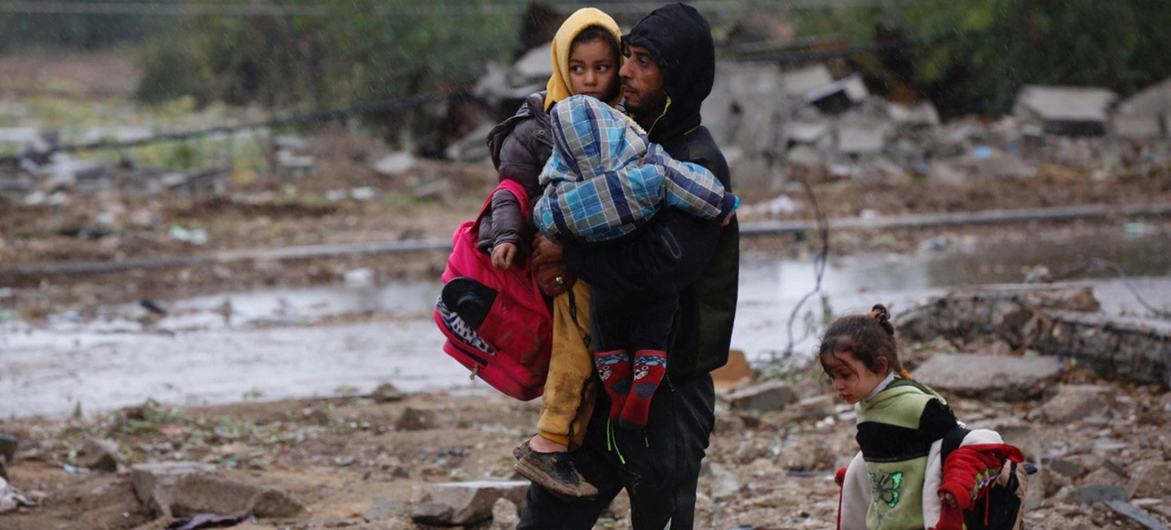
642 83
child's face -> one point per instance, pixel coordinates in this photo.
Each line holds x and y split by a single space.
592 71
852 380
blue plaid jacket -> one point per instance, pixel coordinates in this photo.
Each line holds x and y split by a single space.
604 178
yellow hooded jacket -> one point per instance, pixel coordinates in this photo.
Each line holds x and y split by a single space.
558 87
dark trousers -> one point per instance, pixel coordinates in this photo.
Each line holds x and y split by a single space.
632 321
658 465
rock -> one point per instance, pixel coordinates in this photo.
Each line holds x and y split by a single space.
815 407
1065 110
860 138
1151 478
1136 514
415 419
273 502
1136 127
1094 493
802 81
395 164
1066 468
534 64
1153 100
461 503
839 95
180 489
772 395
505 515
725 484
386 393
153 483
995 377
100 455
1074 402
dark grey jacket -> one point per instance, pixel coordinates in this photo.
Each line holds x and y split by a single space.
520 146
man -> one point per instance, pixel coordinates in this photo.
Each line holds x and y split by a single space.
669 72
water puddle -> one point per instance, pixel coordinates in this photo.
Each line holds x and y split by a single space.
273 345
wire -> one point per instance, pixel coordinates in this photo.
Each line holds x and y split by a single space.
1103 264
819 260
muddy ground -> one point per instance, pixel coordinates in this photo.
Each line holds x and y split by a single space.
360 463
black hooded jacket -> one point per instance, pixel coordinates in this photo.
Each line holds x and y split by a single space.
676 251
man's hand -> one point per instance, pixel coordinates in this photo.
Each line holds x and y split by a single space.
502 255
552 276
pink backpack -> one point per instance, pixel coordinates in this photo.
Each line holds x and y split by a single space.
508 341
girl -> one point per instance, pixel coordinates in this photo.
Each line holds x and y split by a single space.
586 57
899 480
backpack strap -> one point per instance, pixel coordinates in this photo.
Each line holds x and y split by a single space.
514 187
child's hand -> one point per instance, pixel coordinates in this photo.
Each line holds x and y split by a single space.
502 255
727 218
948 500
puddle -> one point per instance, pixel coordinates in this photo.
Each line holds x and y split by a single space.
267 345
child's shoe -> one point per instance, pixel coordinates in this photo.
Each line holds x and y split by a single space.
552 471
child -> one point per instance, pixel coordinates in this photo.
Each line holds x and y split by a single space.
603 181
899 480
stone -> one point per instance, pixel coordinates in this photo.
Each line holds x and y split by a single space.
861 138
386 393
464 503
1136 514
395 164
505 515
181 489
1074 402
1136 127
923 114
996 377
725 483
802 81
416 419
1155 99
100 455
1066 468
1065 110
1094 493
763 397
274 502
815 407
534 64
1150 478
839 95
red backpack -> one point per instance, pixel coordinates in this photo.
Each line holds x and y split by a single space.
505 335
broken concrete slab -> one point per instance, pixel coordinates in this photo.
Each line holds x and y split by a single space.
1136 514
922 114
1095 493
840 95
860 138
463 503
802 81
473 147
382 508
997 377
180 489
1153 100
725 484
1065 110
535 63
763 397
1137 126
815 407
1076 401
100 455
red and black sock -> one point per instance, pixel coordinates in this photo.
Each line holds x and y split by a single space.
649 368
614 370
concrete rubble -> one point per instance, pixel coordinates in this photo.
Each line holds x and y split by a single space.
462 503
999 377
182 489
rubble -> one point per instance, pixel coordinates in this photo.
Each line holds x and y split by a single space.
997 377
181 489
100 455
771 395
1075 401
1065 110
394 164
505 515
462 503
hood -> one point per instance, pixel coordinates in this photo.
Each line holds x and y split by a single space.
558 87
680 42
593 138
